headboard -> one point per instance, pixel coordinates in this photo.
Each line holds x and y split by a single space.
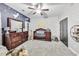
41 33
40 29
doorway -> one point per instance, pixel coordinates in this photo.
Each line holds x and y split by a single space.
0 30
64 31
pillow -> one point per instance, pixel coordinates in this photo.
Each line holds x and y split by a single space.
18 52
41 32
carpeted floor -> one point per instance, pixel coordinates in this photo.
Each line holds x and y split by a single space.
42 48
46 48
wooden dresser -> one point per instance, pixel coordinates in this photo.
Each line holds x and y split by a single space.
14 34
48 36
14 39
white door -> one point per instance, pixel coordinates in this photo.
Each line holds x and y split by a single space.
0 31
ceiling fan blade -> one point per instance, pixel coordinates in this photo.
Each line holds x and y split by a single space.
40 5
32 13
44 14
45 9
31 8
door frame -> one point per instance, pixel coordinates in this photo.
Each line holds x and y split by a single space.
0 30
66 18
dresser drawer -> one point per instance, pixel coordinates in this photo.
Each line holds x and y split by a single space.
15 39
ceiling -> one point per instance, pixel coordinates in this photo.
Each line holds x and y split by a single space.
55 9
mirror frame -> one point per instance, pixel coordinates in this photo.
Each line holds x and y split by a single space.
9 23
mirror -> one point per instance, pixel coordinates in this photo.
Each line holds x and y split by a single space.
15 25
75 32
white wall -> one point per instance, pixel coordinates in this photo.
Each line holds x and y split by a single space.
73 19
72 12
51 23
0 31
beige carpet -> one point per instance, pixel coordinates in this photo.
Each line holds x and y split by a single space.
46 48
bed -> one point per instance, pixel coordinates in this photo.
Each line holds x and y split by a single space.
46 48
42 34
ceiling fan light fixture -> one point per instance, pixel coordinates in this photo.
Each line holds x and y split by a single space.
38 11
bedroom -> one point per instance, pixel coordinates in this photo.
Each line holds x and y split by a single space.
32 22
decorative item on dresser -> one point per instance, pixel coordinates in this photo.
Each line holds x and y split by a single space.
14 35
42 34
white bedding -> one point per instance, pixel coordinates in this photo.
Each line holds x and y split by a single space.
46 48
40 33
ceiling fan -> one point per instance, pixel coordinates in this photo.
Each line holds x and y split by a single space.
38 8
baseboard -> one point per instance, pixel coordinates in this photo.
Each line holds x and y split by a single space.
73 51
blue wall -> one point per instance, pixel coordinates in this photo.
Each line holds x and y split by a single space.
6 11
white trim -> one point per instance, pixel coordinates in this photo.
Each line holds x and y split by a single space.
0 30
73 51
